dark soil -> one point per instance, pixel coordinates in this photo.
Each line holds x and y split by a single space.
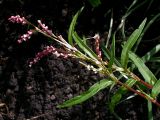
33 93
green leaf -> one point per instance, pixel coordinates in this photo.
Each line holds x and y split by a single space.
84 47
84 40
145 29
88 94
110 29
152 52
133 7
111 61
148 57
130 43
72 26
107 53
115 99
156 89
150 110
94 3
143 69
155 59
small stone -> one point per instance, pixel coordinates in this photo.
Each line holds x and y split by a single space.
64 12
70 96
53 97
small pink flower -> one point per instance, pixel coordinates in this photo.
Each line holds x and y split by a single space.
44 28
17 19
25 37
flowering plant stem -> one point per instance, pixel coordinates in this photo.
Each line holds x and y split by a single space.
95 60
78 54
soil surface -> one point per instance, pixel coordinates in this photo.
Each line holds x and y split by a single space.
33 93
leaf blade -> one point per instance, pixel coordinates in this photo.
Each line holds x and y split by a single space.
88 94
130 43
118 94
111 61
72 26
149 54
156 89
84 47
94 3
107 54
143 69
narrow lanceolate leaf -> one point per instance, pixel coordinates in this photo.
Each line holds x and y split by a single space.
155 59
84 47
107 54
115 99
111 61
88 94
94 3
150 110
156 89
152 52
145 29
72 26
148 57
130 43
143 69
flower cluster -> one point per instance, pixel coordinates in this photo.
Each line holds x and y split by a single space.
44 28
25 37
48 50
97 41
17 19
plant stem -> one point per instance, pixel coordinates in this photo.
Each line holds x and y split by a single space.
139 80
133 90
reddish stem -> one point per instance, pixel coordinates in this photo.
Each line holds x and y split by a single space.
141 81
139 93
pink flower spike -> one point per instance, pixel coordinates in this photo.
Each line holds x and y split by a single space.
97 44
44 28
39 55
17 19
46 51
25 37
